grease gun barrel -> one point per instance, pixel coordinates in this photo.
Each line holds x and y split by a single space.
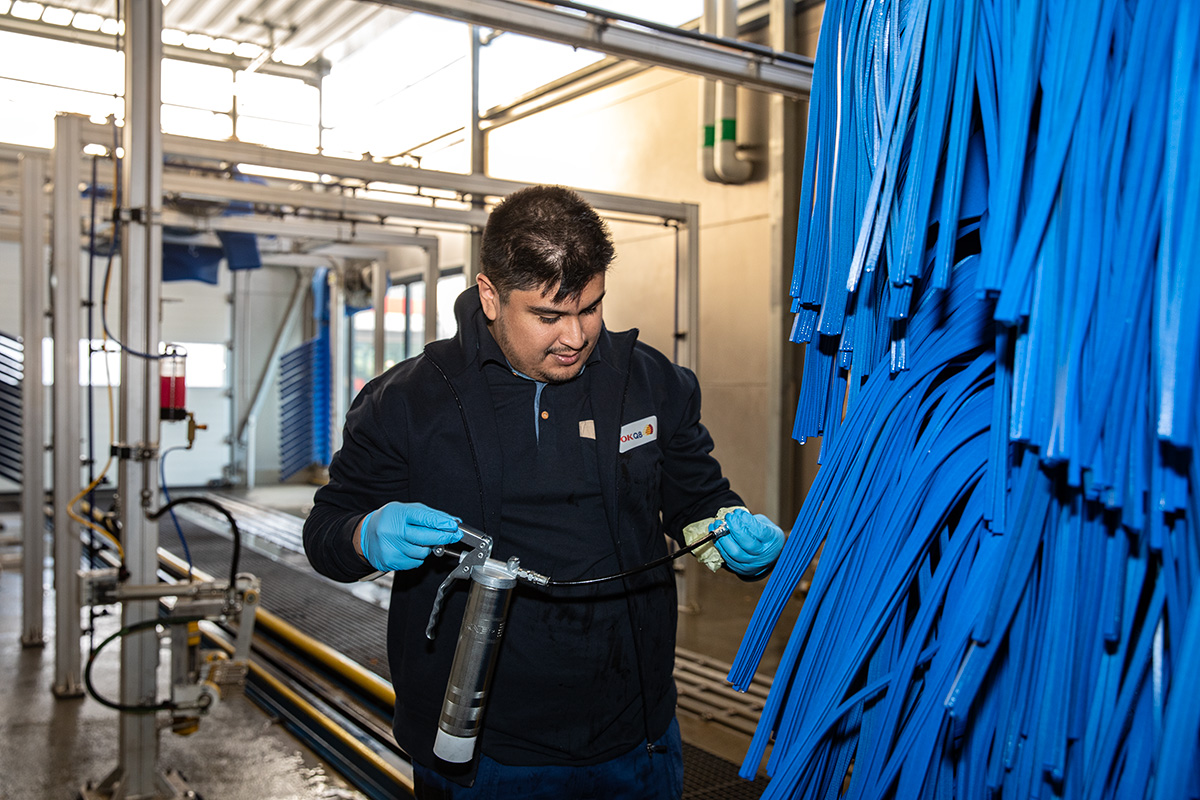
474 660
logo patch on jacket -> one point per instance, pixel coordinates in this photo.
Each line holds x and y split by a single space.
638 433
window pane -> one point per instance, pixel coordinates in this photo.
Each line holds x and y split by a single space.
396 323
362 337
27 110
513 64
197 86
423 60
205 365
102 374
449 288
95 69
416 317
283 135
196 122
277 98
362 347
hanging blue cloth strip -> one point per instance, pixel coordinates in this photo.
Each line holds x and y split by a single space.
995 282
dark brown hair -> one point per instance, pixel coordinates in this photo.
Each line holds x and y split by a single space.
543 237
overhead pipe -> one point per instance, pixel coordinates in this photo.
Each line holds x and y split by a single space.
750 65
729 167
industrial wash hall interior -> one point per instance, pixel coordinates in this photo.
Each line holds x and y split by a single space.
914 282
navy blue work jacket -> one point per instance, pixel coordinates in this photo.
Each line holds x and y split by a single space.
425 431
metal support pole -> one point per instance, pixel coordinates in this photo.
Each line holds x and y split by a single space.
137 775
33 395
67 443
477 142
379 280
339 360
432 273
687 290
237 471
474 130
687 351
784 159
471 256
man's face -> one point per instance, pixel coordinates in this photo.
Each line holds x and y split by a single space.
545 340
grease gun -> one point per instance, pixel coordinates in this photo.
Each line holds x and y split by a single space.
482 630
479 638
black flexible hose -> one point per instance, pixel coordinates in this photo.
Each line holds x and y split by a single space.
136 627
711 536
237 534
116 242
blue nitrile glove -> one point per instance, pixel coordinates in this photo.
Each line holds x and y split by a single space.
401 535
752 544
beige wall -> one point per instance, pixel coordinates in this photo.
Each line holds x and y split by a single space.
641 137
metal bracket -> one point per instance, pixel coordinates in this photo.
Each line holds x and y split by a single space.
137 452
142 216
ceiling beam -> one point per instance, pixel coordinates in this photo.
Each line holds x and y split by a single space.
310 73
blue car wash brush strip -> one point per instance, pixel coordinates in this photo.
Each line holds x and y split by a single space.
997 284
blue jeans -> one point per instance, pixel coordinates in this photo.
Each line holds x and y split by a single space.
637 775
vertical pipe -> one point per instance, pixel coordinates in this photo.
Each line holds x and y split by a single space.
729 167
137 476
708 103
33 395
784 159
67 444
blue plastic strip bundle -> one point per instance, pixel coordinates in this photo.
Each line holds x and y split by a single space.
996 277
12 377
305 406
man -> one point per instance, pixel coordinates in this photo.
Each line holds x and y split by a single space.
573 448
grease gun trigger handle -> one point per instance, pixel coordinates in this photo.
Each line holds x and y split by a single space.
480 552
476 540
